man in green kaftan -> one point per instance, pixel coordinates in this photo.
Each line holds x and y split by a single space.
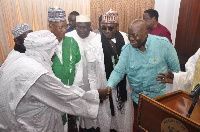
66 63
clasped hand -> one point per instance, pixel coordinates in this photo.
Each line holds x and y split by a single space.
104 93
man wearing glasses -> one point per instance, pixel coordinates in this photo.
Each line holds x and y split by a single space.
150 16
142 59
120 103
66 64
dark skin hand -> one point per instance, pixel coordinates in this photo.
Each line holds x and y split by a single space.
165 77
103 93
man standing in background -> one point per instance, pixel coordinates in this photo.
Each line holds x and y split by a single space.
72 21
153 26
20 32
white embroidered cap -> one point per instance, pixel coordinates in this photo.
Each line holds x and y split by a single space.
20 29
82 18
110 17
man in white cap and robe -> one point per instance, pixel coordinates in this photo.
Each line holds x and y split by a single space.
66 64
20 32
33 98
93 66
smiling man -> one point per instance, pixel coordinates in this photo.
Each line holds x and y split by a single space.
120 103
142 59
66 64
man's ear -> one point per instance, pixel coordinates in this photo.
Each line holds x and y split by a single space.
50 26
154 18
16 41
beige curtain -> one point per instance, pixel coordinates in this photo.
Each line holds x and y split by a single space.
128 10
33 12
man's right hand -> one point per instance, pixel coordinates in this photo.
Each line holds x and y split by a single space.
165 77
104 93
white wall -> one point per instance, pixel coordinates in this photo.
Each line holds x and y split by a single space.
168 15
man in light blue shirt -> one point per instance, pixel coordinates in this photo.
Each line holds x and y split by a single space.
142 59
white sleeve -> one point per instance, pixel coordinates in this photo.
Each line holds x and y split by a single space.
78 78
183 80
125 37
91 67
68 99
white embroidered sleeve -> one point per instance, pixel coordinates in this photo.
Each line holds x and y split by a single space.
68 99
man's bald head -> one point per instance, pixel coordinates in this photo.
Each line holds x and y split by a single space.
137 33
138 24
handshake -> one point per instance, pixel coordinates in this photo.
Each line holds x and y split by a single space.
104 93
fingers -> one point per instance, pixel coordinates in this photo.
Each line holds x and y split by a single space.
104 93
170 73
108 90
161 74
160 79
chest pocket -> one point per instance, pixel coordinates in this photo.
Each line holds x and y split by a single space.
134 68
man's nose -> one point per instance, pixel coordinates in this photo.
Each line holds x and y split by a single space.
107 30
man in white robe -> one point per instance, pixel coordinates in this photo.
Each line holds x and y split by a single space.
33 98
19 32
92 61
95 78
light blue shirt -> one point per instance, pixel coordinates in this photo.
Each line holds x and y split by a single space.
142 67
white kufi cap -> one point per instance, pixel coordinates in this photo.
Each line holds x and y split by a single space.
82 18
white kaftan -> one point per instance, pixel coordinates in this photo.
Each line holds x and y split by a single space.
32 99
183 80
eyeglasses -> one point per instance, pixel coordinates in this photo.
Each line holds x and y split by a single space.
132 36
60 27
109 28
136 35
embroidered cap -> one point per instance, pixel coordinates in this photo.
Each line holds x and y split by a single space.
83 18
56 15
110 17
20 29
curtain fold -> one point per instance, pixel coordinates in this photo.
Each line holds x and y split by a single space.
34 13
